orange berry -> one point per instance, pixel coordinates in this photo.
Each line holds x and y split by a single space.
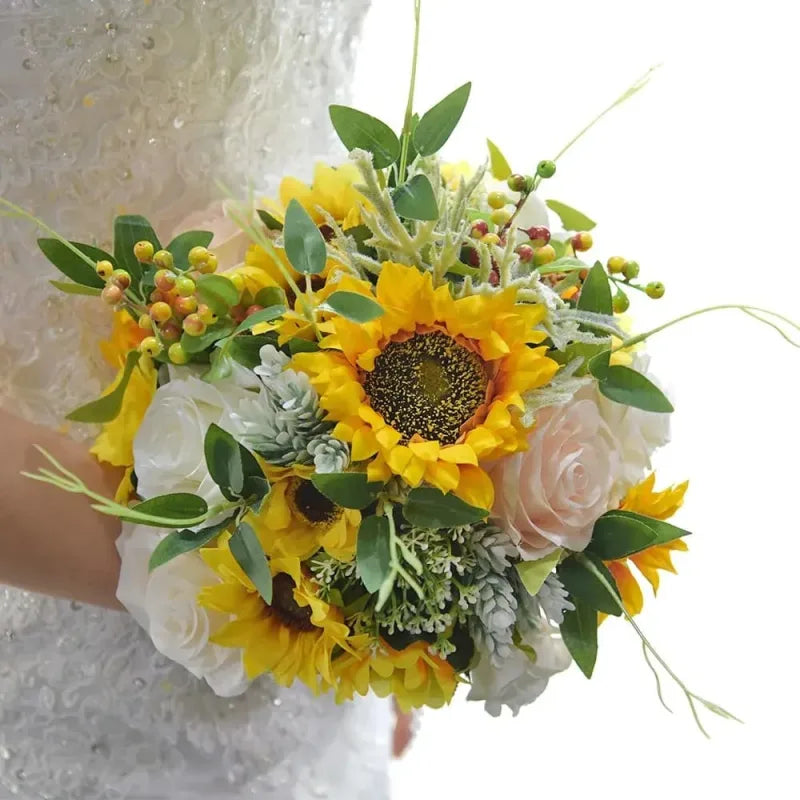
194 326
170 331
581 242
112 294
104 269
206 314
160 311
143 251
165 280
185 305
119 277
254 309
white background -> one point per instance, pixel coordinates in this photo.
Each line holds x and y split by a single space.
696 179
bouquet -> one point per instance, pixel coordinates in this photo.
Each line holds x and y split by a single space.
393 436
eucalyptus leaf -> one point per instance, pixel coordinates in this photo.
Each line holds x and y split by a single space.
128 230
584 585
596 292
415 199
353 306
618 535
436 124
184 242
571 218
373 553
107 407
359 130
346 489
304 244
432 508
76 288
533 573
213 333
250 556
579 634
218 293
224 461
498 165
176 543
71 264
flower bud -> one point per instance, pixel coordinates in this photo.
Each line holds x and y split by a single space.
150 346
655 289
546 169
615 265
160 311
544 255
630 270
143 251
517 183
163 259
581 242
176 353
621 303
497 200
104 269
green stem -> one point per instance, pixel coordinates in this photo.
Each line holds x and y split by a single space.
409 116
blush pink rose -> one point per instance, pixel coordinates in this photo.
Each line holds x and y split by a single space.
551 495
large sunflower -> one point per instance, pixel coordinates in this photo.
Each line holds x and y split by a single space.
642 499
293 638
297 520
414 676
434 386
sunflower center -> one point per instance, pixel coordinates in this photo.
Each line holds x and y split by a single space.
313 505
285 606
428 385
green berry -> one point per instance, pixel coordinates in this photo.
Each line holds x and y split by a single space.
615 265
517 183
655 290
497 200
630 270
185 286
163 259
544 255
177 355
150 346
621 303
546 169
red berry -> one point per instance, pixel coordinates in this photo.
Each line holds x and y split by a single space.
238 313
525 253
539 234
254 309
581 242
479 228
170 331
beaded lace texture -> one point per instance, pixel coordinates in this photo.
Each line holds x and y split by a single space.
141 106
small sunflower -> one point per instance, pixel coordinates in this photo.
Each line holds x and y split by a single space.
642 499
293 638
297 520
434 386
414 676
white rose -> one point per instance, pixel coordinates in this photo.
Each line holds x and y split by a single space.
550 495
164 603
168 449
519 680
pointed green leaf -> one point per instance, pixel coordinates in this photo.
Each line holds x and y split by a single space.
218 293
583 584
178 506
184 242
533 573
373 557
630 388
76 288
299 345
265 315
431 508
347 489
359 130
618 535
353 306
437 123
106 408
224 461
71 264
305 247
415 199
271 222
596 292
664 531
129 229
579 633
247 349
498 165
571 218
176 543
250 556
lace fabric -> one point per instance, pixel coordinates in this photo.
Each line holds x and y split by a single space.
106 107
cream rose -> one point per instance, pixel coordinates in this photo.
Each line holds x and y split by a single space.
164 603
168 448
550 495
519 679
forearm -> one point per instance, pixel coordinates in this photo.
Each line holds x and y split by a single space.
52 541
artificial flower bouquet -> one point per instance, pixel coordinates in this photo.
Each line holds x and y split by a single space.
399 442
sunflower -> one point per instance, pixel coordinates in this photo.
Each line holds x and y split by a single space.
434 386
297 520
293 638
414 676
643 500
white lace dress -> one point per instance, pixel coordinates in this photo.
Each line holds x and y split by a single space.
108 106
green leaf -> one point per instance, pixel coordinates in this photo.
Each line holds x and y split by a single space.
585 350
361 234
270 296
250 556
304 244
533 573
373 558
415 199
498 165
184 242
176 543
583 584
600 364
265 315
179 506
347 489
106 408
72 265
596 292
255 487
579 633
270 221
630 388
221 366
218 293
437 123
224 461
617 535
431 508
299 345
196 344
129 229
354 306
664 531
247 349
571 219
76 288
359 130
